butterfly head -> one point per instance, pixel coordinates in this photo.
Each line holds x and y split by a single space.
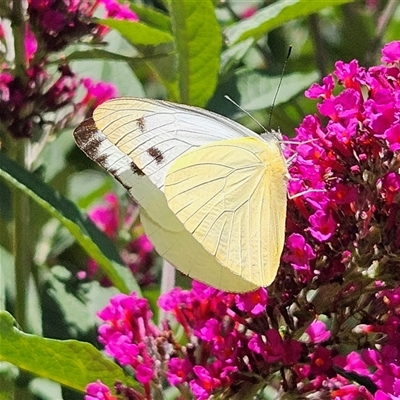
272 135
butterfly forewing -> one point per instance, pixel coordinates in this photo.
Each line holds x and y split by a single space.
95 144
155 133
231 196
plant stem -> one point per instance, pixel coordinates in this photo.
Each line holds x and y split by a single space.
382 22
167 284
320 56
22 256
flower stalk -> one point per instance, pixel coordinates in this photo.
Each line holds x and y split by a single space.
21 236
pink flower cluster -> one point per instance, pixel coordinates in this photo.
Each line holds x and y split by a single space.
349 155
131 338
26 101
232 348
329 326
218 337
138 254
59 23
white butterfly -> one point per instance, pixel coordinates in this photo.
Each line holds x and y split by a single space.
212 192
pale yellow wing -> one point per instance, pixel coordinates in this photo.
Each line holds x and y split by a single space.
169 237
179 247
231 196
154 133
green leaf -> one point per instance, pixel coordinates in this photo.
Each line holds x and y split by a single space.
68 362
163 61
362 380
233 55
273 16
70 306
88 186
151 17
198 43
52 159
119 74
156 48
255 90
95 243
99 54
138 33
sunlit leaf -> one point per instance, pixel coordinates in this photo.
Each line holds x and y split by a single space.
273 16
138 33
68 362
198 43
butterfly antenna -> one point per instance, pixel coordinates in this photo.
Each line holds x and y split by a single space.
279 86
246 112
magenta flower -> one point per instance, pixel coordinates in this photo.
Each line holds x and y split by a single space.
144 373
204 383
178 371
322 225
117 10
30 45
391 298
352 362
352 392
292 351
57 24
248 12
269 347
62 92
321 361
391 52
299 252
253 302
210 331
97 93
130 337
44 99
5 80
392 135
360 130
381 395
138 253
106 217
343 194
324 90
98 391
317 332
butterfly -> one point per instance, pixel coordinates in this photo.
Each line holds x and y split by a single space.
212 192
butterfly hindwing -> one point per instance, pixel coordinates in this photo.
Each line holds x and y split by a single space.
168 235
231 196
184 252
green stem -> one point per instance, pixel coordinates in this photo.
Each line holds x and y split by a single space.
319 47
22 256
382 22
